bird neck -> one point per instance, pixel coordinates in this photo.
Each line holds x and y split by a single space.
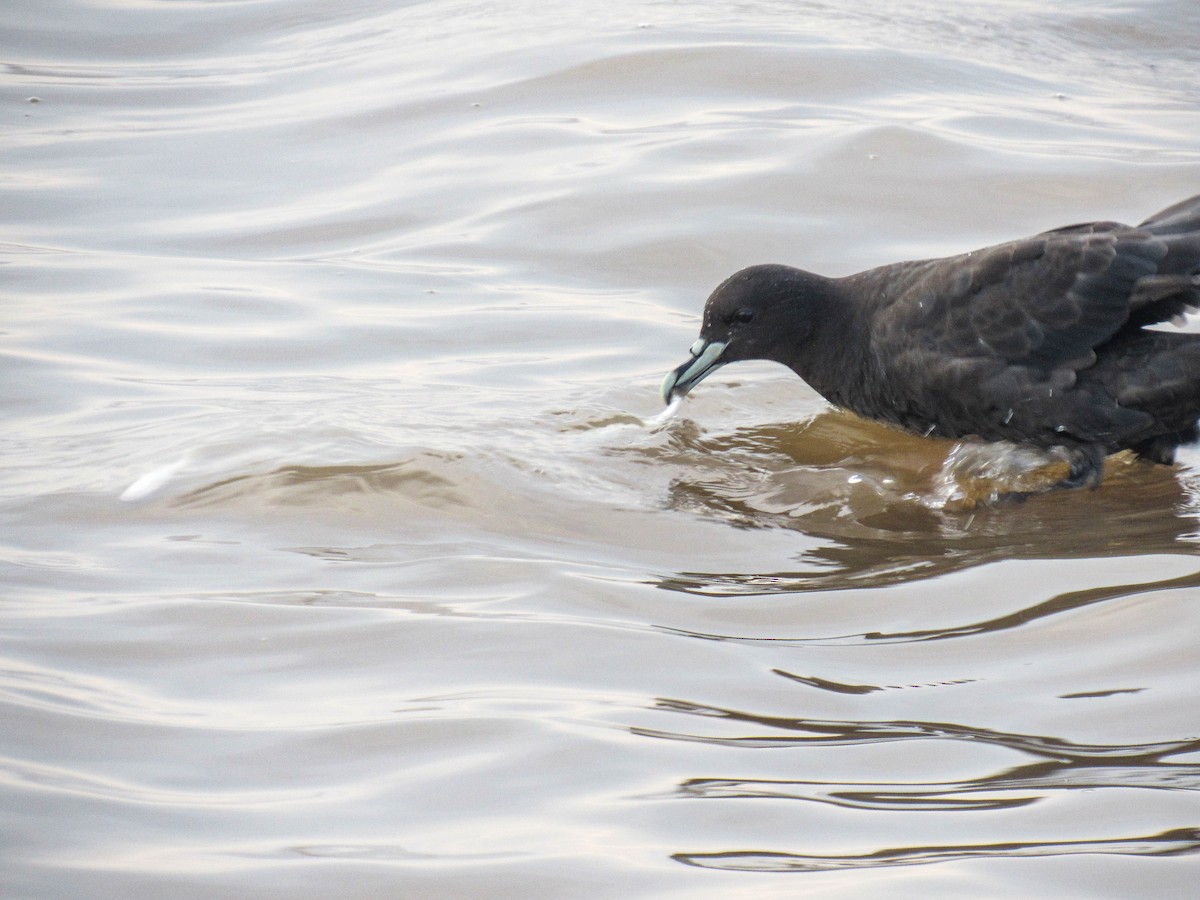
833 358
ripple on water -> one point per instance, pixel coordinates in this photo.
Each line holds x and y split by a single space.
364 307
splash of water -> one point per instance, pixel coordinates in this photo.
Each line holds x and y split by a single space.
655 422
976 473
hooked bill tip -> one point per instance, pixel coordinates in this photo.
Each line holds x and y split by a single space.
667 390
706 359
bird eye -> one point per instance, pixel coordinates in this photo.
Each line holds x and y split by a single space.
742 316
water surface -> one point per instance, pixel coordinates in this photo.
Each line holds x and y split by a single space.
339 557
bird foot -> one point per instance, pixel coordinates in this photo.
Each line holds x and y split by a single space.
1086 462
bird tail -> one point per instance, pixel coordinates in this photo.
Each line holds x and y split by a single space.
1182 218
1157 373
1175 288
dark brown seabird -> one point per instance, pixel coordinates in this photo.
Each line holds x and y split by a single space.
1041 341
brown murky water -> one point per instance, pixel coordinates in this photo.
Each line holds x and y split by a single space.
340 557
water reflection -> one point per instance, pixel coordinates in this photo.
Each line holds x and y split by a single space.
1173 842
801 732
1018 787
784 583
1058 766
872 496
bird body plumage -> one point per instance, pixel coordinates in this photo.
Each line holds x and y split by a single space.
1043 341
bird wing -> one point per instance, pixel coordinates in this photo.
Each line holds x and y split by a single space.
1045 302
990 342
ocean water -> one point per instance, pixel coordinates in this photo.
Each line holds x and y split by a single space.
345 551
